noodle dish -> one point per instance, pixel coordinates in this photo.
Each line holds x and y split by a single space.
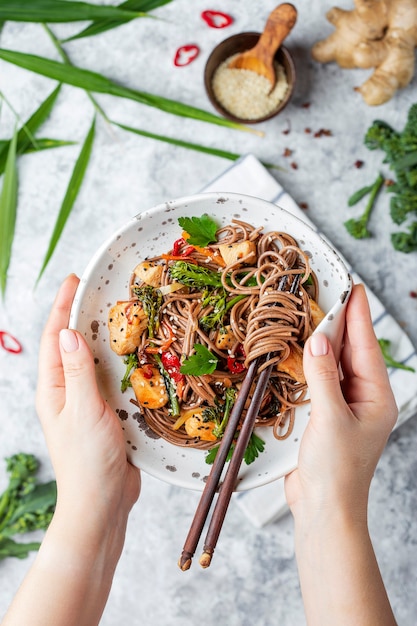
176 307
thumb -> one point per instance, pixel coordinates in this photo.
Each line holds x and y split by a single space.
81 392
321 372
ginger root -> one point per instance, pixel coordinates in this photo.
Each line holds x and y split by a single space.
378 33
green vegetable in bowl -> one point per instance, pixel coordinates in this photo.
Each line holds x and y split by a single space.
25 505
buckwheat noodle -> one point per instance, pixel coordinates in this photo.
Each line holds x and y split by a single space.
268 321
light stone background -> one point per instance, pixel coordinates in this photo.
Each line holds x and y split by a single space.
253 578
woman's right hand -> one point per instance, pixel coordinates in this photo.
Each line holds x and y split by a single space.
350 420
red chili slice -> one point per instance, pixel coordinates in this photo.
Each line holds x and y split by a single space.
177 248
217 19
147 372
10 343
234 365
172 365
186 54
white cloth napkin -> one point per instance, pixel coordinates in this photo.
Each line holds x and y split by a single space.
248 176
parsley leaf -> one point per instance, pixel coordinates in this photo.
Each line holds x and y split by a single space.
254 447
200 363
202 230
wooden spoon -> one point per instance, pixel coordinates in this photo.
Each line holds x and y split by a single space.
260 58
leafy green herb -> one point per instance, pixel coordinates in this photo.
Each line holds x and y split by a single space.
200 363
25 505
131 362
100 26
255 446
385 345
92 81
202 230
358 227
60 11
70 195
8 211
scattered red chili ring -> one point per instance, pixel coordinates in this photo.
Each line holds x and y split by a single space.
217 19
186 54
10 343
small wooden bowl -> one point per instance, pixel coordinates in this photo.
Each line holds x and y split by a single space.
240 43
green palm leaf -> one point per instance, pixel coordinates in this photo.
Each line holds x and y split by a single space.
8 211
60 11
100 26
92 81
224 154
70 195
25 136
45 143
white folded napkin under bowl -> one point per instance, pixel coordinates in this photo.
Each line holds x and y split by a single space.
248 176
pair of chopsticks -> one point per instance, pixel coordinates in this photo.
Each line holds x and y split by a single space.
227 487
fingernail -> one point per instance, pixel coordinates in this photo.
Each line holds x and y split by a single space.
319 345
68 340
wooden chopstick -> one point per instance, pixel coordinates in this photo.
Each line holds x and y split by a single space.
229 483
210 488
227 488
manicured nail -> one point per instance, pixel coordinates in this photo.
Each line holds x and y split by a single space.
319 344
68 340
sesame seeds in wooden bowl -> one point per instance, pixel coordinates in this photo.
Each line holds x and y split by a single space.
242 95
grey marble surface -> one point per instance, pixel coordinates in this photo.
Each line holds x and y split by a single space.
253 578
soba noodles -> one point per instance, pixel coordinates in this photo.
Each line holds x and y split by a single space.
246 295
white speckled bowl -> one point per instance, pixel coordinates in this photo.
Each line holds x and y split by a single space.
105 281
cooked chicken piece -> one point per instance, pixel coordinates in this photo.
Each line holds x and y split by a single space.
196 427
225 339
127 321
149 387
293 364
316 313
150 272
233 252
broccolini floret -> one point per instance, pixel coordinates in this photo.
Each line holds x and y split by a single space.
131 361
400 153
25 505
194 276
358 227
151 300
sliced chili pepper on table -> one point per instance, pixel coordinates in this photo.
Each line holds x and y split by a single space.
186 54
10 343
217 19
